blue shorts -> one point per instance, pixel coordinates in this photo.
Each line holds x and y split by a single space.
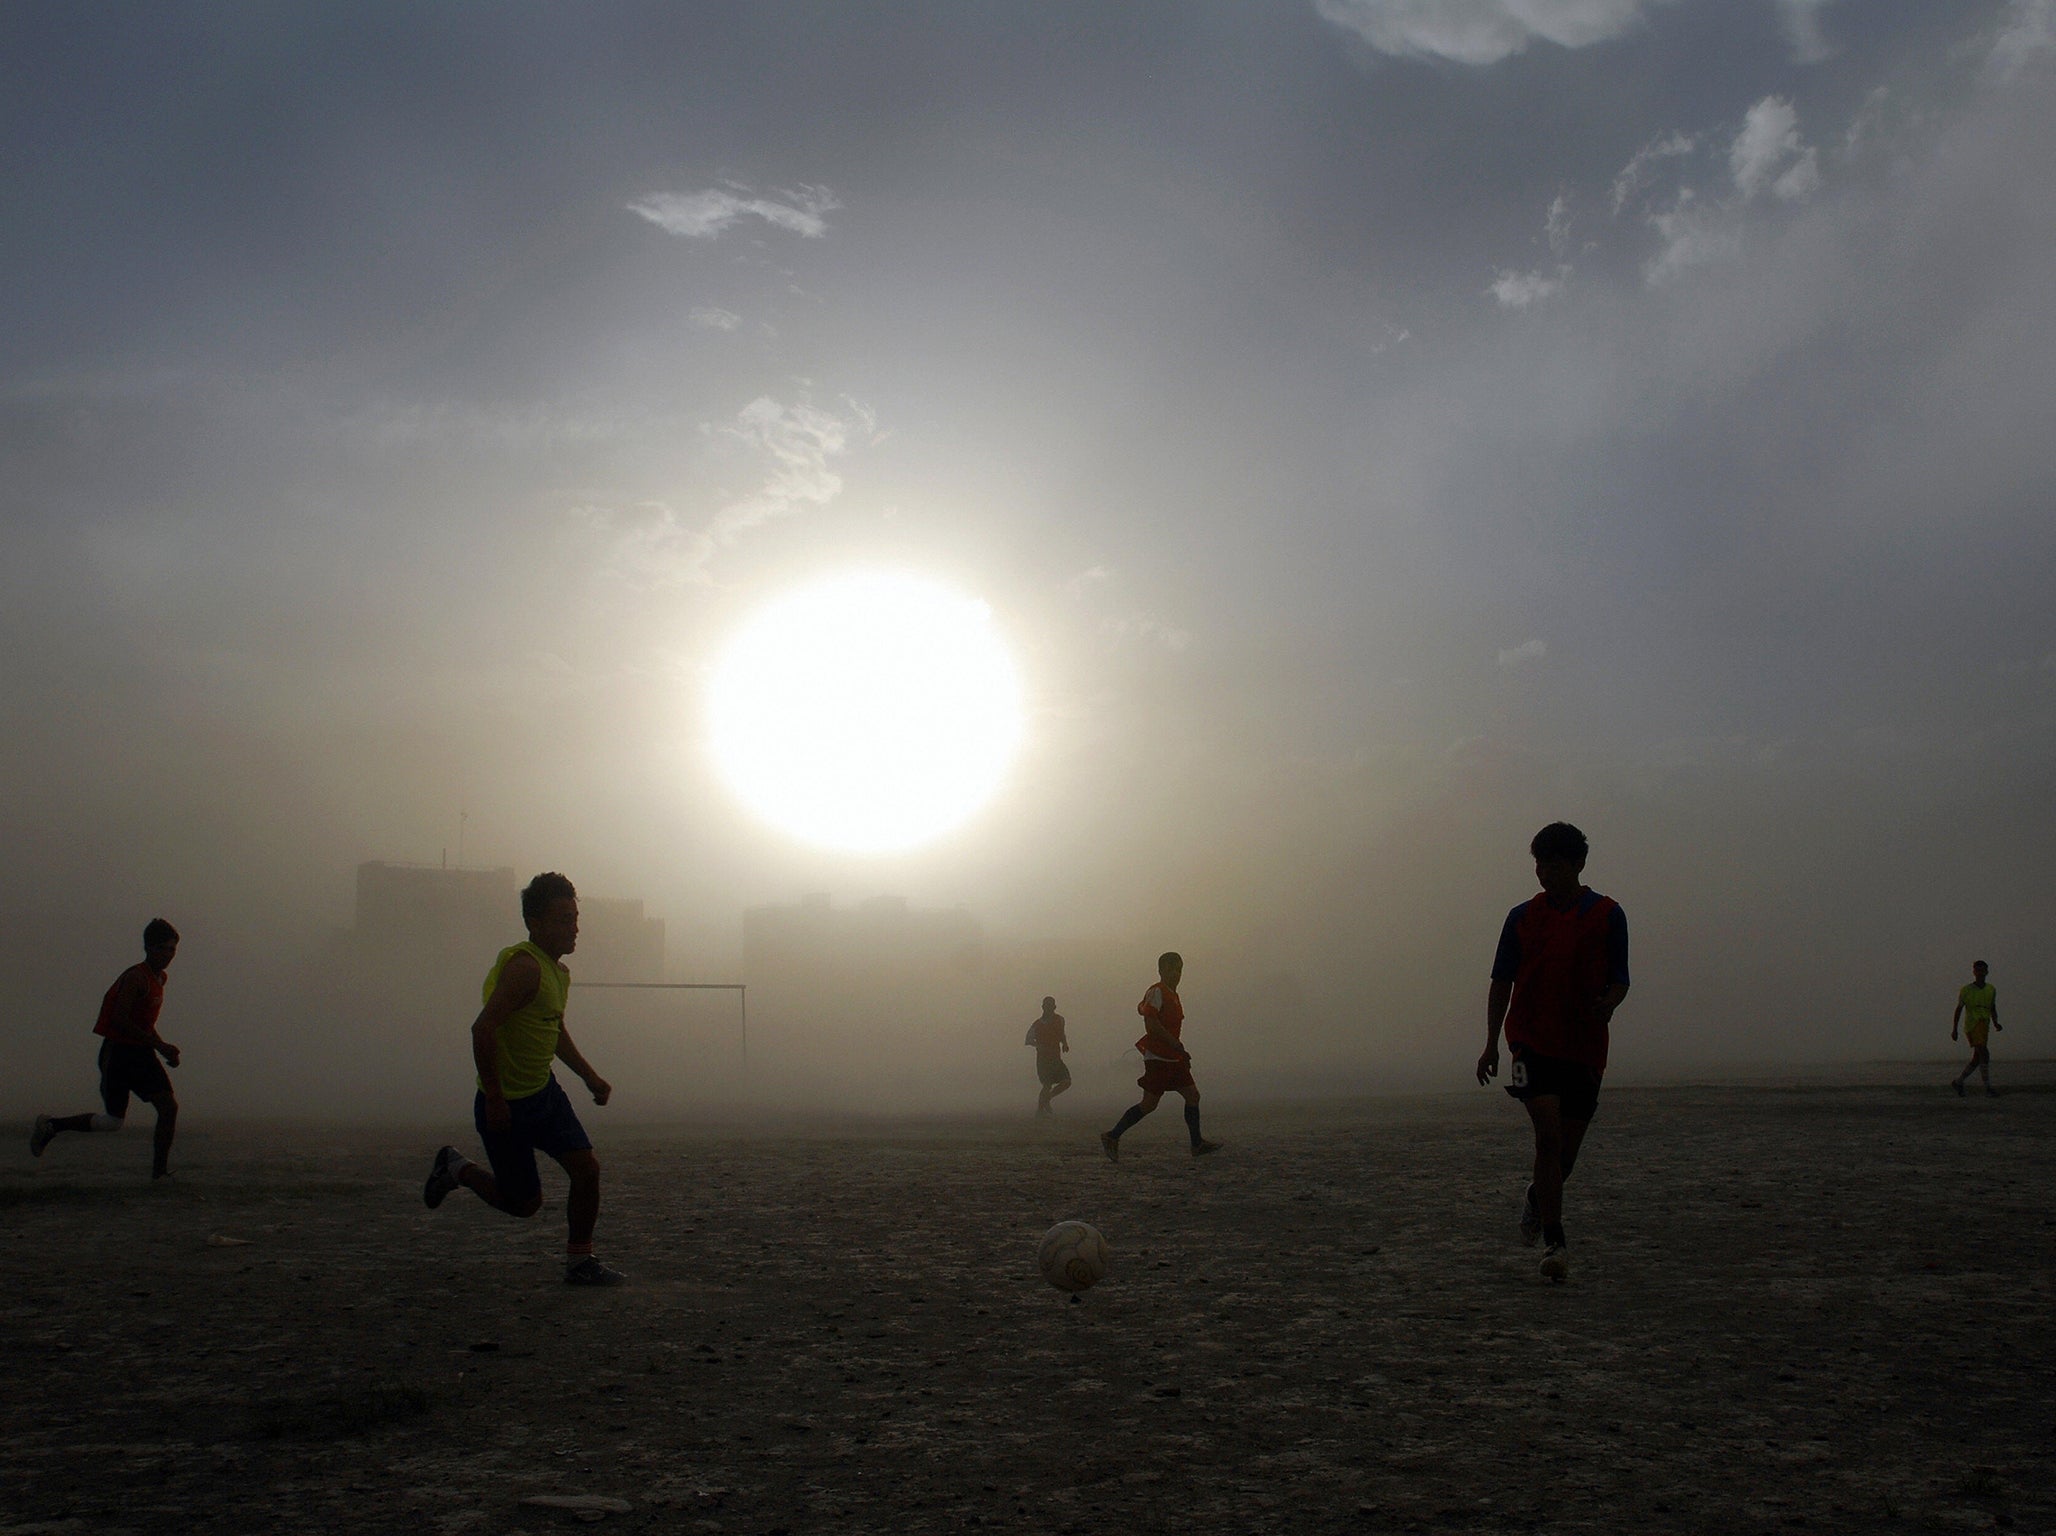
543 1122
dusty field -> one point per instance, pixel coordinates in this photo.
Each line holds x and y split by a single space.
1828 1307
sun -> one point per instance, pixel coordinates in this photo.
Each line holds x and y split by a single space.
870 712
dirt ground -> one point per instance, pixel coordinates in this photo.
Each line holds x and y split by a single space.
1823 1307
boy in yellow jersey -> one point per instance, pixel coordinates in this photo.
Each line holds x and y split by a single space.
520 1110
1977 1010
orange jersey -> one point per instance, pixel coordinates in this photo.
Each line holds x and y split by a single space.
128 1013
1048 1033
1160 1003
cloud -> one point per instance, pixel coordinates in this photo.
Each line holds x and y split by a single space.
1557 227
1517 290
1694 234
704 215
1769 153
652 546
1640 171
712 317
2030 29
1801 21
1527 650
1481 31
1086 580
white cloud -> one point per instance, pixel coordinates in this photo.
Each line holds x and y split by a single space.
1144 626
2030 29
1557 227
1769 153
1527 650
1517 290
712 317
704 215
1086 580
1481 31
1640 171
1694 234
652 546
1801 20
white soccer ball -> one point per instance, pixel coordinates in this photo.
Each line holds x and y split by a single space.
1072 1256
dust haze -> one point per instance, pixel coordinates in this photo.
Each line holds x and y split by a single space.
1367 456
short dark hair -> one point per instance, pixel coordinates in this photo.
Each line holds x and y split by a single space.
1169 958
1049 1002
158 931
1560 840
541 891
1979 965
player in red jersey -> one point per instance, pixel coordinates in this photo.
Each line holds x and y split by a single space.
129 1048
1560 972
1046 1034
1166 1064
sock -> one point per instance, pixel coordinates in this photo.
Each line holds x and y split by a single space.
455 1166
576 1253
1552 1233
1192 1123
1134 1114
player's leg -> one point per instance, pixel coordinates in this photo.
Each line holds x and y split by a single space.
1042 1100
1189 1092
582 1214
1545 1113
166 1105
512 1183
1983 1059
1111 1140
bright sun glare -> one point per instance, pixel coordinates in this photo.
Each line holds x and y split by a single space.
868 712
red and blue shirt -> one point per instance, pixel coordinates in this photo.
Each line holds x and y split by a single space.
1560 961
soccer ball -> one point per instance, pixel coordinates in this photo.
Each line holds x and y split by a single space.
1072 1256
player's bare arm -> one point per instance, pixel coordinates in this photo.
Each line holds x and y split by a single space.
569 1054
1610 999
1955 1019
1496 1001
520 979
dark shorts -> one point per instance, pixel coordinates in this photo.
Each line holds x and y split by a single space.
543 1122
1050 1070
1165 1076
1539 1077
129 1069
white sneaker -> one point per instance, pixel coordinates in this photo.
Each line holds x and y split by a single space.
1556 1262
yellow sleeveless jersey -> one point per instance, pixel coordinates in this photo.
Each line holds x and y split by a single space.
527 1043
1978 1002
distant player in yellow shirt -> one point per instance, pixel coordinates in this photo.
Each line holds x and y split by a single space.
1977 1010
520 1110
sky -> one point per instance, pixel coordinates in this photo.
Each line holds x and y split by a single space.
1379 427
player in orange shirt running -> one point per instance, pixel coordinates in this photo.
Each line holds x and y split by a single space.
1166 1064
129 1048
1046 1034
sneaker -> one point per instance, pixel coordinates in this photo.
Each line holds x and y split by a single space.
441 1179
1111 1144
1957 1084
590 1271
39 1138
1556 1262
1531 1219
1202 1148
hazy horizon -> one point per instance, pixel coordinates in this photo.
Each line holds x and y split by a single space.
1377 428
